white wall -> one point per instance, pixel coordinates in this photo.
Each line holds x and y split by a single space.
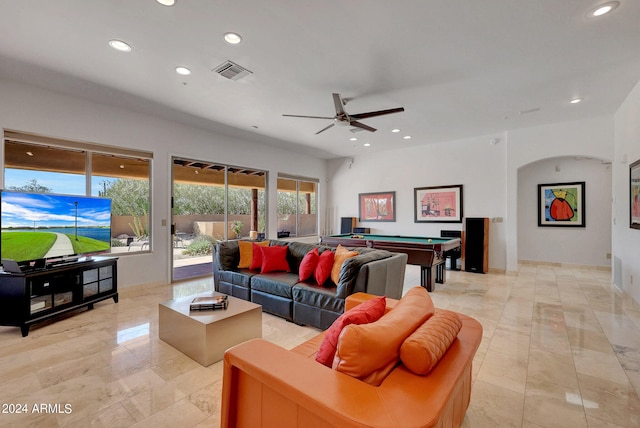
32 109
474 163
626 241
573 245
489 174
591 138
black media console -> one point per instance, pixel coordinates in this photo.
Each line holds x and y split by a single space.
38 295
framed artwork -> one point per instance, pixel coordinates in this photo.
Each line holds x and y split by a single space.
561 204
634 186
442 204
380 206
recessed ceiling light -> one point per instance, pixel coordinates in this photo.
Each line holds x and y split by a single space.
232 38
407 137
183 70
603 9
353 139
367 144
575 100
395 130
121 166
167 2
119 45
29 153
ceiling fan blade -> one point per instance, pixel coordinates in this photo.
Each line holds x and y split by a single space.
324 129
308 117
377 113
362 126
337 101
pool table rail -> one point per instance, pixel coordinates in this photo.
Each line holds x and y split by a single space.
428 253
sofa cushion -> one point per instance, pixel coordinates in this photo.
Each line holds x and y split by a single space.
274 259
366 312
341 255
422 350
276 283
308 265
370 351
297 251
351 267
323 269
227 255
241 277
322 296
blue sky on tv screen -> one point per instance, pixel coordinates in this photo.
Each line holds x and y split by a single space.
48 210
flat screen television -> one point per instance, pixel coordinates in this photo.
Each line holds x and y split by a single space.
37 226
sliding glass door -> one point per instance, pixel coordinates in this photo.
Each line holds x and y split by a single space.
212 202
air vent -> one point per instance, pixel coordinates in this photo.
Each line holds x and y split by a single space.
232 71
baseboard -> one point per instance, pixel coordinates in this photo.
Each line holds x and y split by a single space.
564 265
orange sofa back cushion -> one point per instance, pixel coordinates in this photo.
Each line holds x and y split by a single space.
370 351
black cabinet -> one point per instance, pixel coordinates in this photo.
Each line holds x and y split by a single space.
34 296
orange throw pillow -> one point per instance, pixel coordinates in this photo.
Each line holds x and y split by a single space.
341 255
246 253
323 269
421 351
308 265
370 351
364 313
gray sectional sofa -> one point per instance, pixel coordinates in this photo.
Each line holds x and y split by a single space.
372 271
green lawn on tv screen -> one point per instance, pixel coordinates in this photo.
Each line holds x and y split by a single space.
26 245
88 245
35 245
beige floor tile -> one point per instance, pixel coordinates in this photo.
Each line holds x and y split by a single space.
550 411
492 406
561 347
504 370
610 401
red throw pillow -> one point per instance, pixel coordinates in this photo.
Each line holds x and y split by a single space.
256 257
274 259
323 269
364 313
308 264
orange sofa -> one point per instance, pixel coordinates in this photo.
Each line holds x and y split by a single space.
265 385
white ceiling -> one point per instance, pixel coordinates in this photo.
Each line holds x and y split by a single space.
460 68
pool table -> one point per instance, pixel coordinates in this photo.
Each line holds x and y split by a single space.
428 253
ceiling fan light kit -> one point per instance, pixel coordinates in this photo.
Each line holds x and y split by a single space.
342 118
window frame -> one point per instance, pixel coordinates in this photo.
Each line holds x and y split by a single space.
89 150
298 179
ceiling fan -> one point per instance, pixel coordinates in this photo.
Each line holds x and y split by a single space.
343 118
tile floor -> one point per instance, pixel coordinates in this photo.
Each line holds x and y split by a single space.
561 348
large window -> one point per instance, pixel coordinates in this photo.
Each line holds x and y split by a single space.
297 206
35 163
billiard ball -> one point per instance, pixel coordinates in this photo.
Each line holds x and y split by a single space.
430 240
